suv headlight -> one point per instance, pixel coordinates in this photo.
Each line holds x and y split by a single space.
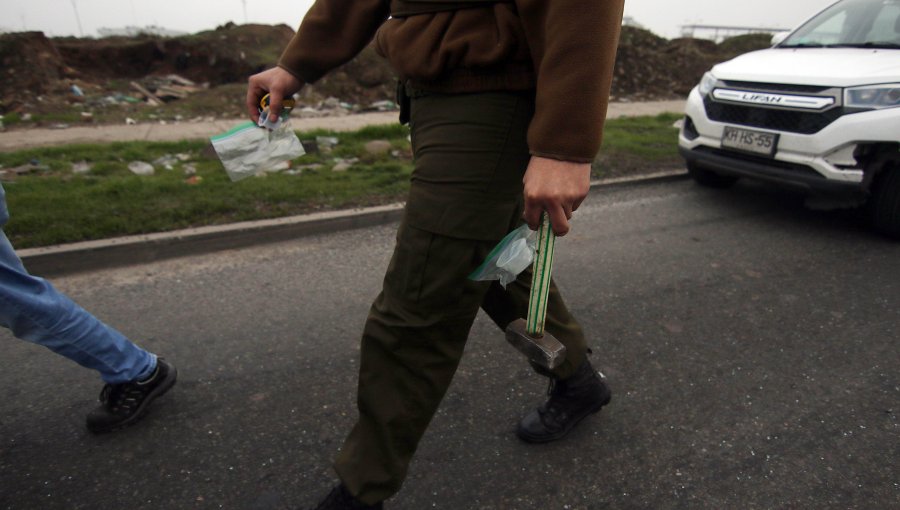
873 96
706 84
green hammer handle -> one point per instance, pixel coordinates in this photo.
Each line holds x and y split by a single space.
540 279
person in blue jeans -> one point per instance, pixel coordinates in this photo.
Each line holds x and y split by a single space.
36 312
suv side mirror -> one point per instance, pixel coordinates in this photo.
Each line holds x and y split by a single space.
779 37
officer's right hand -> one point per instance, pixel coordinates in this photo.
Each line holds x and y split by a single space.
557 187
276 82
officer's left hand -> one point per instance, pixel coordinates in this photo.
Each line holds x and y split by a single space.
557 187
278 83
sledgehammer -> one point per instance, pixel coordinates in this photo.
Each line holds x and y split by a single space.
528 335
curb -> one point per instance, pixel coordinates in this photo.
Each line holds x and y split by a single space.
85 256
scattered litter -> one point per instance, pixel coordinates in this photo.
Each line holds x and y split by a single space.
331 107
326 143
151 97
342 165
678 123
59 125
308 112
194 180
25 117
141 168
284 165
180 80
162 89
129 121
87 116
77 91
383 106
32 166
113 100
168 161
190 169
81 167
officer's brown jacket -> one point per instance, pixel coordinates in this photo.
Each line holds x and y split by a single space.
564 49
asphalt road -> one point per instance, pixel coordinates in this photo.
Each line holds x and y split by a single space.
751 345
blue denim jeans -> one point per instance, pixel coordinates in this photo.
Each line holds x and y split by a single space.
36 312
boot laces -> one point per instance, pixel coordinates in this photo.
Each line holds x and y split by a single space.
554 405
121 398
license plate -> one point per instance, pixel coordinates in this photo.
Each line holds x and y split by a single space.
757 142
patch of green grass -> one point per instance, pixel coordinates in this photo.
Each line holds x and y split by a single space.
52 205
631 143
652 138
11 119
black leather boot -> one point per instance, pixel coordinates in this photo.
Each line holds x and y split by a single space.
571 400
340 499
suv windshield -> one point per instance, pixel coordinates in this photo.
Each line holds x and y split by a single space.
851 24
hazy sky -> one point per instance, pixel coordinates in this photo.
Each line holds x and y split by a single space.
58 17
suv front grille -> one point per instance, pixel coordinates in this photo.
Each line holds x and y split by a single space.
792 121
775 87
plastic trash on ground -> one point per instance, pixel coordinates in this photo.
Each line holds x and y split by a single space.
247 150
509 258
141 168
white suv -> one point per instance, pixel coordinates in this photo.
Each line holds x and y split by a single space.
820 110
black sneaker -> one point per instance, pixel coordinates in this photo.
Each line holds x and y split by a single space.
340 499
571 400
124 404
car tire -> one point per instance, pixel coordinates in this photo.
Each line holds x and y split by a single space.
709 178
884 204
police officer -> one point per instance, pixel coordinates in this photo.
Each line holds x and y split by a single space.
506 101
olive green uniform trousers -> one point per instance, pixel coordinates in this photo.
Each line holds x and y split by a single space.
470 156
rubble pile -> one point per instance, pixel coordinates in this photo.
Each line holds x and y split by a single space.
30 64
650 67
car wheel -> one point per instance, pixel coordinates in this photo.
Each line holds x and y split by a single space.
884 204
709 178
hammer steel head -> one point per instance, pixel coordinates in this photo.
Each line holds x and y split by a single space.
546 351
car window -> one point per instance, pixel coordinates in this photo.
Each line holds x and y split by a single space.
887 25
860 23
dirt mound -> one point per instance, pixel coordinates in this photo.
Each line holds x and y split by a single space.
42 75
36 66
650 67
30 62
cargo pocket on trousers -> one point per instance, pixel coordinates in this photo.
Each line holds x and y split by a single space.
439 244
